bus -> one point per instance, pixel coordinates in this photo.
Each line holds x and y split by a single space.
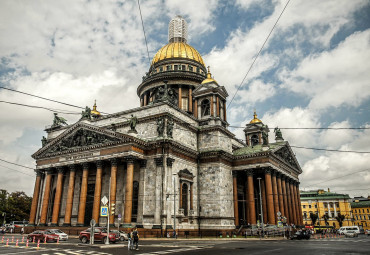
18 224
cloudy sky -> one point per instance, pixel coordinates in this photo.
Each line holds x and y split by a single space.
314 72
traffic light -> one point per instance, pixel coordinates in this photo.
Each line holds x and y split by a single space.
112 209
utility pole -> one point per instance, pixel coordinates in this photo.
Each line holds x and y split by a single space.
263 227
107 240
174 206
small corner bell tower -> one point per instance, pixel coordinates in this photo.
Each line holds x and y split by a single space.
254 130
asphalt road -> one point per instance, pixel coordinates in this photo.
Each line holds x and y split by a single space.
360 245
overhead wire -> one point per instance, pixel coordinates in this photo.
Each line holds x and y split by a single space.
259 52
142 24
40 107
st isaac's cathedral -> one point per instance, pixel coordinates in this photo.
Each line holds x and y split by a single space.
172 162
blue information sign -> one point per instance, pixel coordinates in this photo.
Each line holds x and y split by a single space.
104 211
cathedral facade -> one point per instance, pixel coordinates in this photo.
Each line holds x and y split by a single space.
170 163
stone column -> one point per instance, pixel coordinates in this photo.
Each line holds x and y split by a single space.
97 193
225 110
296 198
58 196
113 188
270 199
275 192
45 201
285 197
190 100
280 194
212 108
83 194
180 98
289 201
169 205
217 107
264 206
335 209
235 193
251 201
247 211
129 190
158 191
299 205
329 212
294 218
140 208
195 111
145 99
69 203
35 199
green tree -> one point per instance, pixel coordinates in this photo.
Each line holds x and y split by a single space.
15 206
313 217
340 218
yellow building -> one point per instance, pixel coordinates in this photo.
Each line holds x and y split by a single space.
326 204
361 212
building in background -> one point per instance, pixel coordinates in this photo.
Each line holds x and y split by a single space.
170 162
328 206
361 211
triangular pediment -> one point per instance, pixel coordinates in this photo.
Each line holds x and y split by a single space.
286 154
81 136
210 88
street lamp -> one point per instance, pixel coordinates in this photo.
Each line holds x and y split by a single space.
174 205
259 184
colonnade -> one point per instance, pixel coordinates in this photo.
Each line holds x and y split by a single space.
279 193
46 175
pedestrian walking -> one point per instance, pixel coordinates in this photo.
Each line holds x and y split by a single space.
129 236
135 237
22 230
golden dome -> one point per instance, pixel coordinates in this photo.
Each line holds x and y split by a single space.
95 112
209 78
255 119
177 50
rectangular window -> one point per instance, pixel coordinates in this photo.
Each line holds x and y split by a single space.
190 68
304 206
309 206
198 69
363 210
169 67
176 67
183 67
161 69
315 206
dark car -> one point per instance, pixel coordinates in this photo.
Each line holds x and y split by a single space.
100 234
42 235
301 234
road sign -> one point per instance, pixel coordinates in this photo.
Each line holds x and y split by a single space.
119 217
104 200
92 222
104 211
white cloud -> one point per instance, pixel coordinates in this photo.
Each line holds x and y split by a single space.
343 72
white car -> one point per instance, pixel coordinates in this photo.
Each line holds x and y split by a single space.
62 236
351 233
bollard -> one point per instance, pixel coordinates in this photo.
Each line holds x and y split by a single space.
27 243
22 239
38 244
58 240
2 239
7 242
34 239
12 239
45 240
16 244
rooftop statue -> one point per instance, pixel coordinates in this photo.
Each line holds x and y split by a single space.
58 121
278 134
86 114
160 127
265 136
133 122
170 125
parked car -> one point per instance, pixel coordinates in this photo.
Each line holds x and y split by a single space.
100 234
301 234
367 232
41 235
345 229
62 236
351 233
122 235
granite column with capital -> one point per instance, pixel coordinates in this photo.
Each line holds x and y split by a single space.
35 199
83 195
45 201
129 188
97 192
251 201
270 199
71 187
113 188
58 196
235 196
140 208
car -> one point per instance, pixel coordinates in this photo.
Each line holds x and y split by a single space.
42 235
367 232
100 234
301 234
122 235
62 236
351 233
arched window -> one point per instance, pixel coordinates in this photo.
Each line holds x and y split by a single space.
254 140
185 198
205 108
